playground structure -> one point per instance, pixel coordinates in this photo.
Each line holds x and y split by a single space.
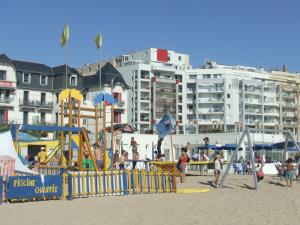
83 141
289 140
70 102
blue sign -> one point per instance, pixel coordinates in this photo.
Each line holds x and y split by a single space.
33 187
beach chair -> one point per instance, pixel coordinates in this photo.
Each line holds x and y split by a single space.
236 169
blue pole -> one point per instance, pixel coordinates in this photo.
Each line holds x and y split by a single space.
70 187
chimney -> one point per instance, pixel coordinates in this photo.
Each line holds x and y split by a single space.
284 68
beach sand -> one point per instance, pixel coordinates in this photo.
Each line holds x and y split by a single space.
235 204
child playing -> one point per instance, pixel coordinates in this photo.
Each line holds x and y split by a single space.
259 171
217 170
289 172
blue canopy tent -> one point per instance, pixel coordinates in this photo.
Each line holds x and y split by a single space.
230 147
258 147
206 147
281 145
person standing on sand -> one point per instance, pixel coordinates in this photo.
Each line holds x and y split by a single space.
289 172
122 160
217 169
181 165
98 156
135 154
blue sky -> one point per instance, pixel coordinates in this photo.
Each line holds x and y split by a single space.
250 32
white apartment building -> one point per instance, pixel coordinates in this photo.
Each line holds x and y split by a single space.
224 98
156 77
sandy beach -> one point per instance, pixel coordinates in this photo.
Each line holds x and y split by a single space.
235 204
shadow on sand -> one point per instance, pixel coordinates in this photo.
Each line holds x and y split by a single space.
211 184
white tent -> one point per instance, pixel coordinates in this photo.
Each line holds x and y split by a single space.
7 148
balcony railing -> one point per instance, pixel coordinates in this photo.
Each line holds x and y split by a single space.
120 103
5 100
288 104
27 103
43 104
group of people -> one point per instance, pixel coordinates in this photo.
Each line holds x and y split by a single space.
119 159
184 159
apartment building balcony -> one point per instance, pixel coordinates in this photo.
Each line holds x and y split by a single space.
190 101
289 105
145 88
252 122
145 76
144 98
166 100
191 111
145 120
288 123
190 90
120 106
6 102
271 113
267 103
43 105
167 90
27 103
163 79
288 115
288 95
252 101
271 122
253 111
211 100
211 111
253 91
212 89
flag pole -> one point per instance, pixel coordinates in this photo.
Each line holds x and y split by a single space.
171 136
66 58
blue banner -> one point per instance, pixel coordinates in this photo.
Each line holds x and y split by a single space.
33 187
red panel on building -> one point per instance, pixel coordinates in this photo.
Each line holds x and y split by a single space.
162 55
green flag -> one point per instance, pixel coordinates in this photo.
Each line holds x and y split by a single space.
98 40
64 36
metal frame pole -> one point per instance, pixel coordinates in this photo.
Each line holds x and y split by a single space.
253 160
233 156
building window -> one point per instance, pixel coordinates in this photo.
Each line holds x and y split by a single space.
25 117
2 74
26 78
89 69
56 118
43 80
228 106
57 97
43 118
228 95
179 58
73 80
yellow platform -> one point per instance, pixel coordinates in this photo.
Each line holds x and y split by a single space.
192 190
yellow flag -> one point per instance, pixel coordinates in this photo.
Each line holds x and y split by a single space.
98 40
64 36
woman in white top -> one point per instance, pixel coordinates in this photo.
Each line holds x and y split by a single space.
217 170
